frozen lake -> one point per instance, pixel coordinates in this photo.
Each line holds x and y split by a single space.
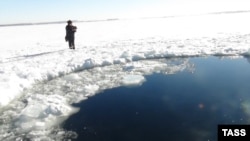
41 80
187 105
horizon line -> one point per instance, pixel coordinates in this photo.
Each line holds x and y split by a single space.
114 19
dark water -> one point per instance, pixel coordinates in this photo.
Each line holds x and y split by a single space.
179 107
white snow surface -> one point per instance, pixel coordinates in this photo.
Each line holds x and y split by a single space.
40 77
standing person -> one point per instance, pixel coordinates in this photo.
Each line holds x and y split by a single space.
70 34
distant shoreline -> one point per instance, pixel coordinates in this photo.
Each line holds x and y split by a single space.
114 19
25 24
57 22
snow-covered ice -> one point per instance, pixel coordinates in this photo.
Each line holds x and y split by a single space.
40 77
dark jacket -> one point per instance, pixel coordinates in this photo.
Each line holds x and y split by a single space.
70 32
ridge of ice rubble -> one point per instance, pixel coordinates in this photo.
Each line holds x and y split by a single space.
16 75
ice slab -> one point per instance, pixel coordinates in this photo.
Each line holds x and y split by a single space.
132 80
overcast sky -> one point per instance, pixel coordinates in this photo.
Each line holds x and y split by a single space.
20 11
